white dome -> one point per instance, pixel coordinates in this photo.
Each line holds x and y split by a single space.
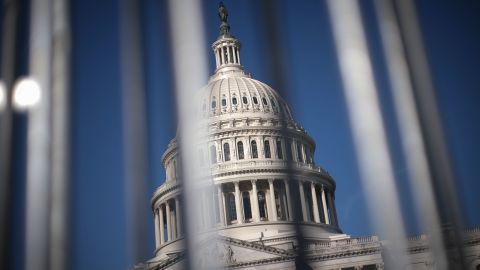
236 95
258 159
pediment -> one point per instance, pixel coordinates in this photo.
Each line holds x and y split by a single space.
230 251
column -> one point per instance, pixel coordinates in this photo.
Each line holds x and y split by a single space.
169 229
178 216
260 145
234 51
157 229
256 210
304 154
238 57
222 54
238 207
289 199
162 225
293 146
173 223
333 212
316 214
273 147
221 213
302 201
216 57
228 54
224 205
272 200
324 202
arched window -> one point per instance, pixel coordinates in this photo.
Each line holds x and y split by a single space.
255 100
289 150
232 210
214 103
247 208
234 100
213 154
309 155
262 205
226 151
299 153
264 100
254 149
267 149
245 100
241 154
224 102
279 205
279 149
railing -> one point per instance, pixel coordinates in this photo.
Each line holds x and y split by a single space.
267 163
353 243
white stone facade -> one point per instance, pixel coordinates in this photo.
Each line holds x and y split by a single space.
260 158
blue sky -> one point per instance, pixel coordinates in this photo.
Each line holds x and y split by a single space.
452 40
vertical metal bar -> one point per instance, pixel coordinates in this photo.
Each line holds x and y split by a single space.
410 130
368 130
38 139
8 50
134 128
60 140
277 69
190 74
429 115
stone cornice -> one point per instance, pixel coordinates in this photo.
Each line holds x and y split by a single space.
163 190
172 149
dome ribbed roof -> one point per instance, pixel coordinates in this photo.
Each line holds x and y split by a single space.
236 94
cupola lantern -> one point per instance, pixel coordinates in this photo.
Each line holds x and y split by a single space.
226 48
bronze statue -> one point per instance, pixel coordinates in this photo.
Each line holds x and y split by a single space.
222 12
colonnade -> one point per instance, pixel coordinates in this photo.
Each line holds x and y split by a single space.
227 54
168 223
251 201
273 202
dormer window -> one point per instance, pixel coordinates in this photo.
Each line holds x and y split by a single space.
245 100
234 100
255 100
264 100
214 103
224 101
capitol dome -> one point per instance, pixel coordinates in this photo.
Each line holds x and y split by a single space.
237 94
261 163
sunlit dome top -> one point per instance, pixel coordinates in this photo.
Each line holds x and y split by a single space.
231 90
235 94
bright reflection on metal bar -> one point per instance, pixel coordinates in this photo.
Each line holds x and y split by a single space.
134 130
60 136
26 94
411 134
187 42
435 141
38 140
277 68
3 96
368 130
